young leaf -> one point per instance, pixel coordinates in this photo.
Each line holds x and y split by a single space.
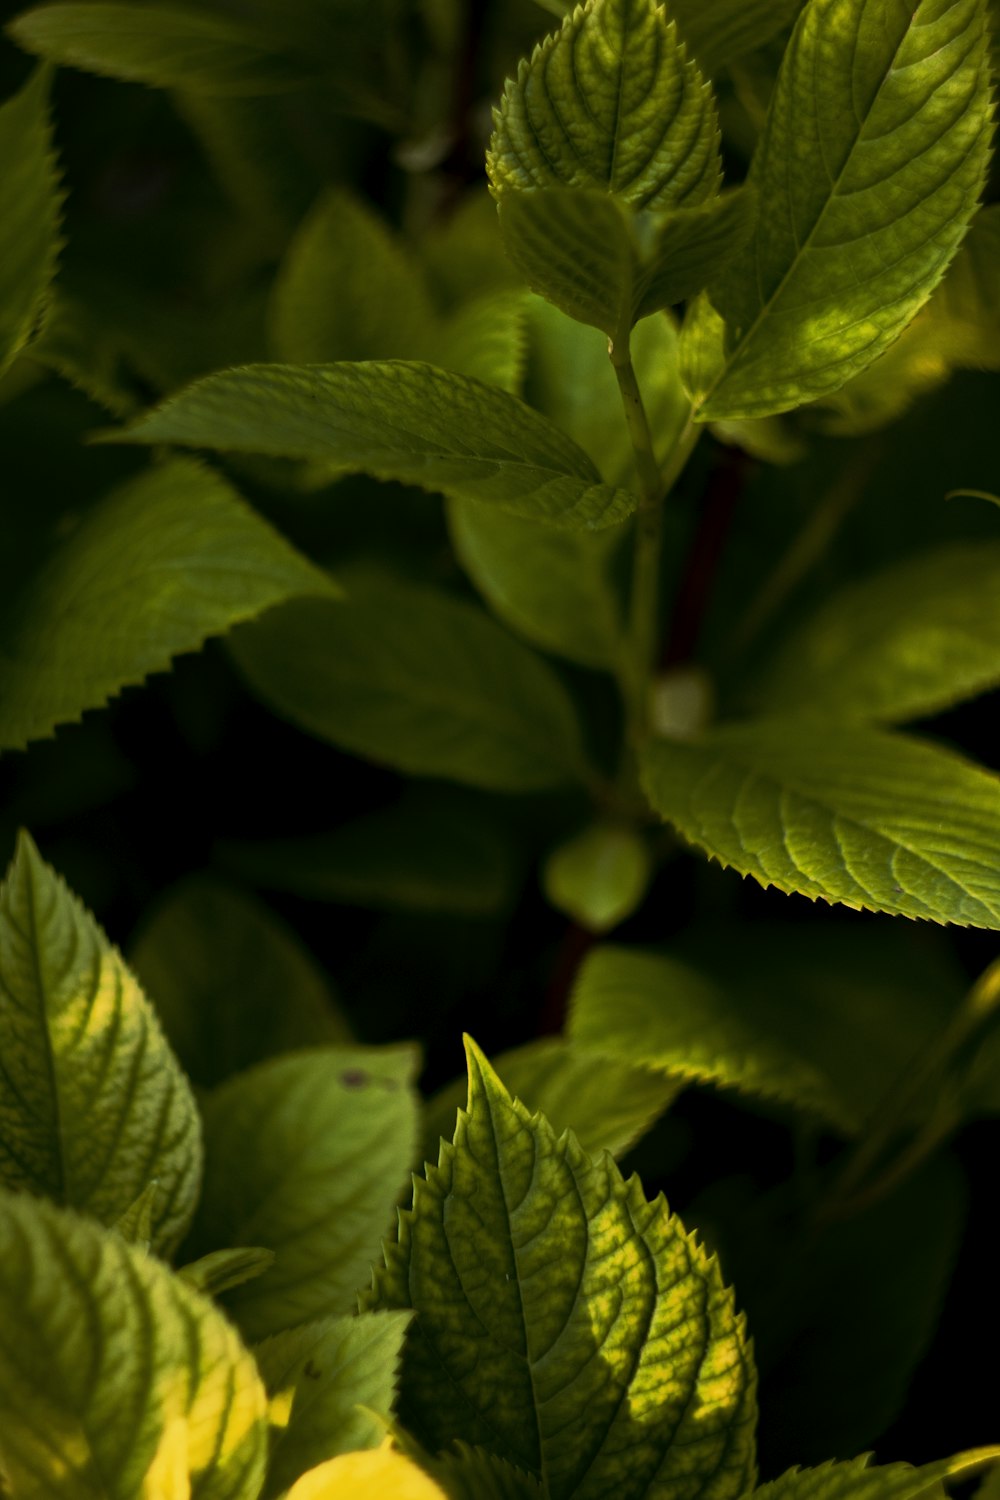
330 1381
860 1479
167 46
862 816
867 174
574 247
29 213
690 248
635 1007
231 984
610 101
305 1155
92 1102
599 876
116 1380
135 1225
418 681
371 1475
222 1269
607 1104
902 644
190 559
562 1321
439 848
395 420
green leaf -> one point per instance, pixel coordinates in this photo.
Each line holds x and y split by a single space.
484 339
860 816
369 1475
474 1474
574 247
395 420
330 1381
610 101
135 1225
599 876
305 1155
418 681
719 32
607 1104
348 289
900 644
634 1007
78 344
436 849
866 186
860 1479
690 248
167 46
222 1269
116 1380
231 983
92 1102
965 311
189 559
564 1322
29 214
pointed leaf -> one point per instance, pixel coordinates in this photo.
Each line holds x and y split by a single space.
573 246
116 1380
691 247
868 818
135 1225
901 644
395 420
860 1479
231 984
474 1474
563 1321
305 1156
29 213
92 1102
418 681
599 876
965 311
866 185
222 1269
610 101
167 46
607 1104
189 559
332 1380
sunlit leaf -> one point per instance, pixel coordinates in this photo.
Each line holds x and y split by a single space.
93 1104
116 1379
848 814
564 1322
370 1475
866 185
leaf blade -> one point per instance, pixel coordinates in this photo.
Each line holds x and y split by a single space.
29 214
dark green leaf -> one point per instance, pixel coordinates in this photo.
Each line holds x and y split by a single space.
29 213
573 246
599 876
690 248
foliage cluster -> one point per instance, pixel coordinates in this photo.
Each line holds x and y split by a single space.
542 527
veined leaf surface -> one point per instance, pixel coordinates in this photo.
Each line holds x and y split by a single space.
867 174
116 1379
573 246
189 558
396 420
305 1155
856 815
29 213
419 681
902 644
690 248
609 101
562 1321
329 1382
167 46
860 1479
93 1104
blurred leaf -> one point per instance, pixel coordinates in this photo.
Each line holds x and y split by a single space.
80 347
188 558
437 849
611 1370
336 1378
222 1269
371 1475
92 1102
305 1155
167 46
116 1379
231 984
29 214
831 278
900 644
607 1104
861 816
419 681
599 876
395 420
965 310
609 101
719 32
